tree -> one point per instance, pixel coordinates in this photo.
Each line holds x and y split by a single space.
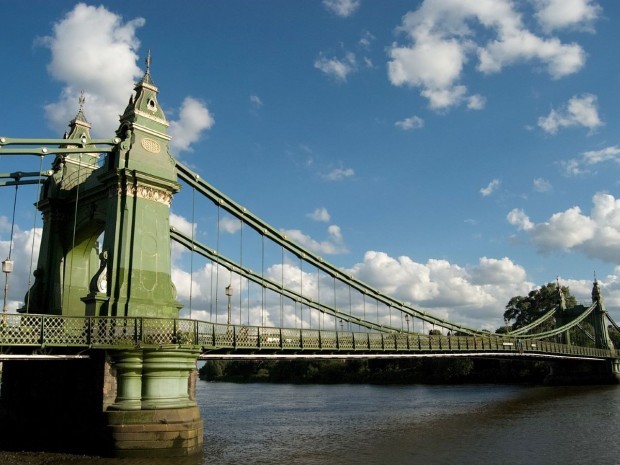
526 309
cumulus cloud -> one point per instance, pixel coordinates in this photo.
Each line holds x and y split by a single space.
407 124
337 68
342 8
596 235
559 14
518 218
583 164
333 245
442 42
180 223
541 185
229 224
93 50
476 102
96 51
579 111
474 295
194 119
492 187
338 174
320 214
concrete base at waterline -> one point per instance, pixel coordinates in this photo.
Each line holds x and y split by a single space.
582 372
154 433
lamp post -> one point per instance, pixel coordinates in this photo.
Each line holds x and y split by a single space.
7 267
229 293
407 320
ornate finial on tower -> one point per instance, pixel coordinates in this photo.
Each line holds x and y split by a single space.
596 291
80 119
148 62
147 74
81 100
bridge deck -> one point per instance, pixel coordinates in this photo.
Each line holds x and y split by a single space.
36 333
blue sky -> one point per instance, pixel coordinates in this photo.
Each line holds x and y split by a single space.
453 153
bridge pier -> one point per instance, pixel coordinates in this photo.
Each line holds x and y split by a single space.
583 372
122 403
154 413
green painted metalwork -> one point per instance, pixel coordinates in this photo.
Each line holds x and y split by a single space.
128 334
265 229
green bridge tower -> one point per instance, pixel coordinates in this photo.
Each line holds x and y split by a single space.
105 251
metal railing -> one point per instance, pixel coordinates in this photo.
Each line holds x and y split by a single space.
49 331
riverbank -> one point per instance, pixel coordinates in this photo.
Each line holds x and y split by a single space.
385 371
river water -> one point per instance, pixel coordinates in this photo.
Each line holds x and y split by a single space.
362 424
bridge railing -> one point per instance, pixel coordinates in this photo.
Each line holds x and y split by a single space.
17 330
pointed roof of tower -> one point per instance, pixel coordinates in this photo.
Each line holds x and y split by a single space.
79 125
144 109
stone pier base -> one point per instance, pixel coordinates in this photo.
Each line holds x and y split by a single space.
154 433
122 403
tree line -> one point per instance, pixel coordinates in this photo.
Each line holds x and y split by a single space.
520 310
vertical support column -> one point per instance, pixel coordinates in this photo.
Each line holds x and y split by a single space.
128 365
155 412
165 378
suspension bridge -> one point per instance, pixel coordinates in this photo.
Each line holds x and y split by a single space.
101 330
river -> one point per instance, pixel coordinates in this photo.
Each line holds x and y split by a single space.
363 424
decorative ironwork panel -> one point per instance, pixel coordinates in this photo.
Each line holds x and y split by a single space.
247 337
375 341
360 341
205 334
345 341
224 335
20 330
292 338
158 331
311 339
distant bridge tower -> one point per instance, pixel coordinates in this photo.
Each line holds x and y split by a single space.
144 397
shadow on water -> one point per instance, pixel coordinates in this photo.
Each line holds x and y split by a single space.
40 458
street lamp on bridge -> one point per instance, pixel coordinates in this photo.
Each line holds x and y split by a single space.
7 267
229 293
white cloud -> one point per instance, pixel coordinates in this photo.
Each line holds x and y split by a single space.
333 245
597 235
518 218
541 185
180 223
229 224
366 39
558 14
579 166
476 102
492 187
342 8
256 101
337 174
474 295
93 50
413 122
194 119
593 157
320 214
580 111
442 42
336 68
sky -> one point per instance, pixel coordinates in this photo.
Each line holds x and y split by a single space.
451 153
